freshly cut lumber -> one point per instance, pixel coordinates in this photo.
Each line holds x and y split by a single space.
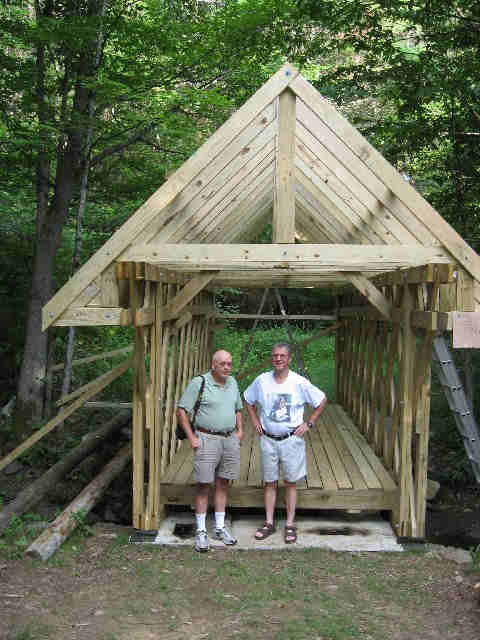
35 491
49 541
311 257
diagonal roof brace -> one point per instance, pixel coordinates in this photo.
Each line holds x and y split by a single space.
371 293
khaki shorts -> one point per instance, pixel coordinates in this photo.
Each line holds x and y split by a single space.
290 453
216 456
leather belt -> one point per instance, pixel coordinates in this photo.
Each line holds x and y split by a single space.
287 435
224 434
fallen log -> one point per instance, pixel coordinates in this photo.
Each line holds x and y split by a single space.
35 491
49 541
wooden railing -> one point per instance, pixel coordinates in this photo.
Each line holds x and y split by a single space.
383 377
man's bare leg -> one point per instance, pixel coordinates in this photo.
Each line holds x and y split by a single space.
290 502
270 498
201 498
221 490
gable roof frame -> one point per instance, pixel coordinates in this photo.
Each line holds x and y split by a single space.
286 150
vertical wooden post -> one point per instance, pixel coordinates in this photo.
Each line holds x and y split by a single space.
347 361
387 408
370 400
360 373
138 418
284 204
422 422
158 508
378 391
339 362
407 515
352 370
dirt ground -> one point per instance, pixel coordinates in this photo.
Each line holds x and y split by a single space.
101 587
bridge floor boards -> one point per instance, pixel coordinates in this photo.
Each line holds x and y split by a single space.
343 471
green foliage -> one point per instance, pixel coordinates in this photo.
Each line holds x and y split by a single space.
79 517
318 355
407 75
19 533
475 553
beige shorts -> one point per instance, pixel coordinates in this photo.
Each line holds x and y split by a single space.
216 456
289 453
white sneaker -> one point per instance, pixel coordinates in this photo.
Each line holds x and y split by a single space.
225 536
201 541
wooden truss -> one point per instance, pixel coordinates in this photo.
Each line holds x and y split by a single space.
343 218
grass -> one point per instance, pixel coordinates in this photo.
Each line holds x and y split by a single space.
306 594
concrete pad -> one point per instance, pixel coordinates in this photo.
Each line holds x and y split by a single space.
338 532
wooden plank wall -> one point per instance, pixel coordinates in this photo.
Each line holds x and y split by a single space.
383 377
168 353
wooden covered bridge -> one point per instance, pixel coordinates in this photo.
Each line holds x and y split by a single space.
343 218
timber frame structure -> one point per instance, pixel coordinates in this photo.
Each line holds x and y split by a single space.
343 218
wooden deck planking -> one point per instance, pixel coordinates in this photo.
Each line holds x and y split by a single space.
339 461
344 452
334 458
384 478
321 460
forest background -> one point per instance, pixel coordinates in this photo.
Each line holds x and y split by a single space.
100 100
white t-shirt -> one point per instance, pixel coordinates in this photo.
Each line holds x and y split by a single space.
282 404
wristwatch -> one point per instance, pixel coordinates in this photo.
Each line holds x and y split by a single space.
310 425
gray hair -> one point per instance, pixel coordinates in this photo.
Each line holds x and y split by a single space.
283 345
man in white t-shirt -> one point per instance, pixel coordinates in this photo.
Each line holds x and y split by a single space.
281 395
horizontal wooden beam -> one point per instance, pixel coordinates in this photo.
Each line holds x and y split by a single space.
312 257
94 316
440 273
144 316
260 316
100 404
428 320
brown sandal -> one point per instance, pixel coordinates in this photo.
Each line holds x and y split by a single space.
290 534
264 531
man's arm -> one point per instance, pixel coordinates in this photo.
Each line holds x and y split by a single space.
239 425
184 421
253 417
302 428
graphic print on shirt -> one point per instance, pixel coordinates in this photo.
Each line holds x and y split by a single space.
281 404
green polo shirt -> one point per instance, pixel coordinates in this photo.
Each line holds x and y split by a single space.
219 403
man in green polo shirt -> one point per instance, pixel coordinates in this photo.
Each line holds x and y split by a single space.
215 439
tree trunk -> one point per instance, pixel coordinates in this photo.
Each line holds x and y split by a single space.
32 495
30 392
49 541
52 213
